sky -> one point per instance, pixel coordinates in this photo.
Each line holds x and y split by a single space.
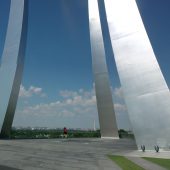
57 85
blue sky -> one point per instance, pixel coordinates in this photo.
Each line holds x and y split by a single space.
57 86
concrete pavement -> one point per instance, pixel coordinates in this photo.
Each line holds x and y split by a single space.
61 154
7 168
71 154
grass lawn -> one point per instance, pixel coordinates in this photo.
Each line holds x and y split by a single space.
124 163
162 162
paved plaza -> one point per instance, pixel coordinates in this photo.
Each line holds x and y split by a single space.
63 154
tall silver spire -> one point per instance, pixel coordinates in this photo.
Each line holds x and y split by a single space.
107 119
12 63
145 90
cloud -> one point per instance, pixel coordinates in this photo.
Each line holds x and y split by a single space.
31 91
119 104
120 107
118 92
72 103
74 109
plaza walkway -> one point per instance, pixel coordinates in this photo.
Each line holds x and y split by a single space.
66 154
61 154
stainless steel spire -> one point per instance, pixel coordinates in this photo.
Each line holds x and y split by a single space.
107 120
145 90
12 63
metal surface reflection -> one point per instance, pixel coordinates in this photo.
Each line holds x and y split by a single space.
12 63
145 90
106 113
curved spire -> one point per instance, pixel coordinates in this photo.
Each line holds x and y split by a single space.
12 63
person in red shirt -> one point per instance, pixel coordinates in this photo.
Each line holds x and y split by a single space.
65 132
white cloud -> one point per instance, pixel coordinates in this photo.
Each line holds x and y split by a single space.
31 91
118 92
118 98
78 107
73 103
119 107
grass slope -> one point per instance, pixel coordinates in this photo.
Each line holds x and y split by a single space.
162 162
124 163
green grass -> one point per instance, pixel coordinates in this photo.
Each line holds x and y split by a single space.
162 162
124 163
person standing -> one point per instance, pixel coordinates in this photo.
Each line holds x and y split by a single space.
65 131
